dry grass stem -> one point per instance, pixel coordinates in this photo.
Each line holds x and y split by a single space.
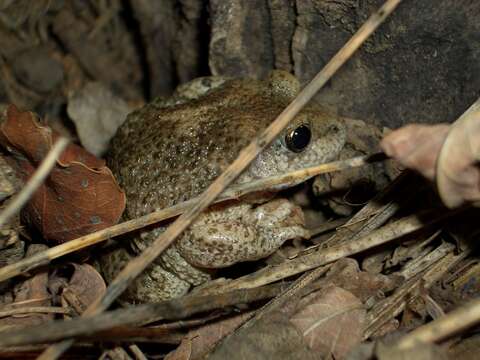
328 226
138 334
35 310
296 289
190 323
139 355
175 309
390 307
296 177
34 182
233 192
420 263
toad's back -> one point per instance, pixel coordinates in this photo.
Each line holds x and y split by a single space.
164 155
171 150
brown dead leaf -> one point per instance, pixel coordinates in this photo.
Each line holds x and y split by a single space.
82 288
272 336
197 343
331 321
448 154
79 197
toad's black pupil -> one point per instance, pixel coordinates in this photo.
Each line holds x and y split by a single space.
298 139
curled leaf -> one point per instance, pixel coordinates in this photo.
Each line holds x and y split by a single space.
458 173
447 154
416 146
80 195
81 288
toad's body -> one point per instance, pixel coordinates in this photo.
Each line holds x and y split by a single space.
168 152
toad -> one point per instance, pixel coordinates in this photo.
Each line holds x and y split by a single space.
171 150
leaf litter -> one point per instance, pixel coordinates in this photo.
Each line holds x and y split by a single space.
81 194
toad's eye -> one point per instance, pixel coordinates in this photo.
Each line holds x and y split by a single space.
298 139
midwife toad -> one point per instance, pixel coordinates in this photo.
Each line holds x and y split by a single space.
170 151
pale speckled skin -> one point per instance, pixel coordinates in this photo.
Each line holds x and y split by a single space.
170 151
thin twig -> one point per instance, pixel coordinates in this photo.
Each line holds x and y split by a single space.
35 309
444 327
81 350
421 262
138 334
246 156
233 192
390 307
24 302
139 355
185 324
175 309
295 291
34 182
328 226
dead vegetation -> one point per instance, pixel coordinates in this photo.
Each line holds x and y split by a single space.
387 278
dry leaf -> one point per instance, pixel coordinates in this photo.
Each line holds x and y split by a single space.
331 321
448 154
83 288
197 343
97 113
271 337
416 146
32 292
79 197
458 171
